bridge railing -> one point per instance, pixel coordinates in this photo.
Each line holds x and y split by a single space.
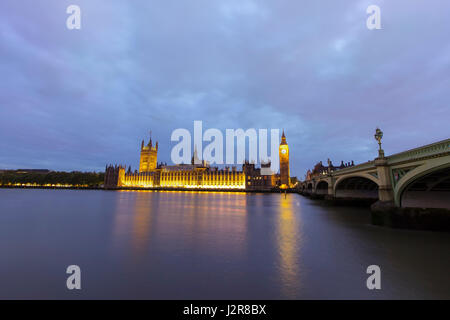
425 151
358 167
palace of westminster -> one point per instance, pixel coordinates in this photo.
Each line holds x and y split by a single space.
198 175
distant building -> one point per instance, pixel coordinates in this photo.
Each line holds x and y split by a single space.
319 169
43 171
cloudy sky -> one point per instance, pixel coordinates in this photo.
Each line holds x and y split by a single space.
78 99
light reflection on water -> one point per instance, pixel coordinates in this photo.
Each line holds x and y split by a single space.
289 243
218 245
190 219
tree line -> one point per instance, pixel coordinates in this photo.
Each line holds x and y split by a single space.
74 178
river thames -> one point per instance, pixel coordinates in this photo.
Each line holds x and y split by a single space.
193 245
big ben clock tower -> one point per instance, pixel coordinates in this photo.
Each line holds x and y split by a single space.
284 162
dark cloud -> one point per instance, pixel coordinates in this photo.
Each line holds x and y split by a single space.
80 99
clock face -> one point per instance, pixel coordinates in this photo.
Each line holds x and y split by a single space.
283 151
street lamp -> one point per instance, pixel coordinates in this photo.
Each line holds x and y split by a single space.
378 136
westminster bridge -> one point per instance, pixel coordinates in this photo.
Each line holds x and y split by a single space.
416 178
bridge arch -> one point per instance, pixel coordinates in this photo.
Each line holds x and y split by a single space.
427 185
309 188
356 186
322 187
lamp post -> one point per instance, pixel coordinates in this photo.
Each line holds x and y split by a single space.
378 136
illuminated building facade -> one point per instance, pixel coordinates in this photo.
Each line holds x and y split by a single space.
197 175
149 155
255 180
284 163
182 176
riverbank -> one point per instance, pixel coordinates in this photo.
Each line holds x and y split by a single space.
53 187
274 190
146 189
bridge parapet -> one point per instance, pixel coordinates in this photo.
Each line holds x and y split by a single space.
437 148
359 167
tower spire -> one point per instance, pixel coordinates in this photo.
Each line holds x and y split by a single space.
283 138
195 159
150 142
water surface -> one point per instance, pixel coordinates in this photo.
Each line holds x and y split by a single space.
190 245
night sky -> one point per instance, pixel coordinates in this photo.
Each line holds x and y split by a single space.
79 99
